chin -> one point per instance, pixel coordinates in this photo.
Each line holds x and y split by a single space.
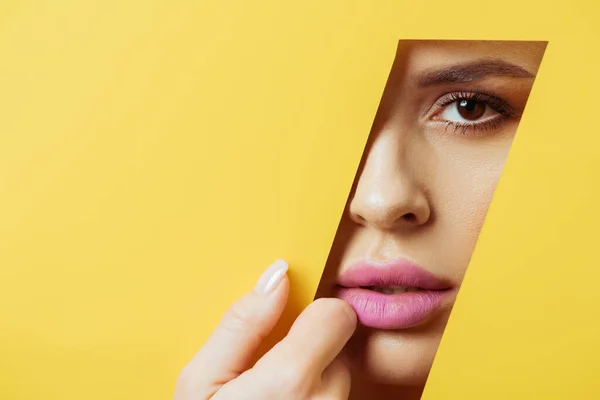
399 358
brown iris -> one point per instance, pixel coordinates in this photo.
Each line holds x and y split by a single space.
470 109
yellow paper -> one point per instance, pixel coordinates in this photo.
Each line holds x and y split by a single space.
155 156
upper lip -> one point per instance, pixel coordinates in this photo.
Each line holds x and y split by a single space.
398 272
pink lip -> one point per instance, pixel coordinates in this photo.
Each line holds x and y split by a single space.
392 311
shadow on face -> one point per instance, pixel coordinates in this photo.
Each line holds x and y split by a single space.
439 141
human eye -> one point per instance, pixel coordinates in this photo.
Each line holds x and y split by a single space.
472 111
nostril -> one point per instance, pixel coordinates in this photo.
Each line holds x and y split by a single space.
409 217
358 219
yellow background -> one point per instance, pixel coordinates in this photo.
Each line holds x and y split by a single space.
156 156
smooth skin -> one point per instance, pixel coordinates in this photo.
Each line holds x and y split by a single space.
424 187
304 365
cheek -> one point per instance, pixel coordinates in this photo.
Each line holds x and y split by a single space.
464 190
468 199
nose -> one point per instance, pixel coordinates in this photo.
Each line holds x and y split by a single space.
389 194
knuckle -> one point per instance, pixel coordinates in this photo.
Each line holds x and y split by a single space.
292 379
285 381
184 376
185 384
191 384
239 318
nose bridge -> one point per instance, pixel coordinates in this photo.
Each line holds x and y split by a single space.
388 193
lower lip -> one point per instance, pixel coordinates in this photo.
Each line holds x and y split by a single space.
393 311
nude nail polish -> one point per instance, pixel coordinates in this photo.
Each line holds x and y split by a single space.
271 277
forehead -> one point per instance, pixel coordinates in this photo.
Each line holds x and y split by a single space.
418 55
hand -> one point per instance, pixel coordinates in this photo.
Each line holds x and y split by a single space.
304 365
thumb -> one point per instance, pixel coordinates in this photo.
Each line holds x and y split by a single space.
335 381
230 349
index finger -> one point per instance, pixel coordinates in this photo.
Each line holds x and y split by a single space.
230 349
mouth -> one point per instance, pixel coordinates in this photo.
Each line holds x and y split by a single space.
392 289
393 295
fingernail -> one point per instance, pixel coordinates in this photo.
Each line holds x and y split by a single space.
271 277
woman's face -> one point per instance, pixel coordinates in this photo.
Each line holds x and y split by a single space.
438 146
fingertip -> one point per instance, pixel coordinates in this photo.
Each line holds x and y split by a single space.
283 288
272 277
337 308
350 313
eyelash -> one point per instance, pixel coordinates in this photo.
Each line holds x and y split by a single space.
500 106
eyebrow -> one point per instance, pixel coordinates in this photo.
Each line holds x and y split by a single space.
469 72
